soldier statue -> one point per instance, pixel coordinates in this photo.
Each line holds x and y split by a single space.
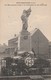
24 18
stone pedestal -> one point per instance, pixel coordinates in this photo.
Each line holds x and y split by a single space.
24 41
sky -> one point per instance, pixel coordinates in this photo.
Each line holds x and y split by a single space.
11 23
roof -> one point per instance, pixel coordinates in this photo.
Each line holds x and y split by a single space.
34 31
13 39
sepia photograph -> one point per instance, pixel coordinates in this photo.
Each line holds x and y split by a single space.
25 39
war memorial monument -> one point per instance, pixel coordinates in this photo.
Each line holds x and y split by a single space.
24 38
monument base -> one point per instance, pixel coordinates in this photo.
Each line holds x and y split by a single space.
26 54
24 41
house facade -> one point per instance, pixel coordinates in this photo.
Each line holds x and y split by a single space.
40 44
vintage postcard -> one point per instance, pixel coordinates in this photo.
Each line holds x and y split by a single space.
25 39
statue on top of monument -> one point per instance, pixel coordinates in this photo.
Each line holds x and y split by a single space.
24 18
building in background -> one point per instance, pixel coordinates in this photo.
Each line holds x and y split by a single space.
49 49
3 51
39 42
3 47
13 45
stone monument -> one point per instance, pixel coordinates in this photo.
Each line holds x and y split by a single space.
24 38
